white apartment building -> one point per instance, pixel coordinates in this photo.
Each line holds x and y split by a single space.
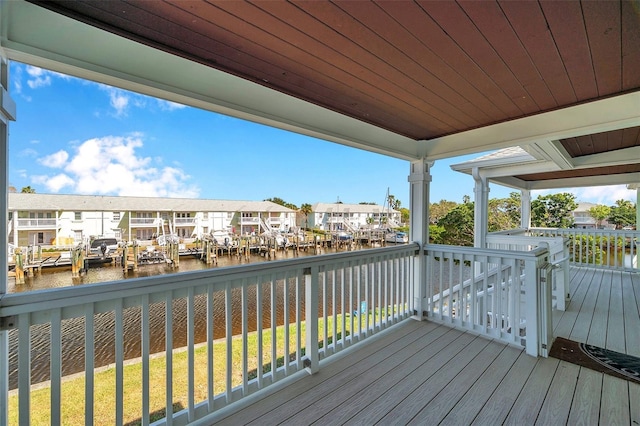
65 220
350 217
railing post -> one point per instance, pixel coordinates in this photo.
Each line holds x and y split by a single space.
532 306
538 306
419 180
312 299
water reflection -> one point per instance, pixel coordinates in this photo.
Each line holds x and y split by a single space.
73 330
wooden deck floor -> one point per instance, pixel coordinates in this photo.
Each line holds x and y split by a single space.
423 373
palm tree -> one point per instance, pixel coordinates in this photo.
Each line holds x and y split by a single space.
306 209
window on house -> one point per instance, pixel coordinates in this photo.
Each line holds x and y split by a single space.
116 215
77 215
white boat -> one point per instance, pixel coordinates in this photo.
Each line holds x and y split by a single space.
163 240
223 238
396 237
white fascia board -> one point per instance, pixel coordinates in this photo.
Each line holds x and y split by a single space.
603 115
492 163
611 158
34 35
554 151
621 179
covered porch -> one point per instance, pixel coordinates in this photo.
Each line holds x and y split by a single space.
421 371
408 333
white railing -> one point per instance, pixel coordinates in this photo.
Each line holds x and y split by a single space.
242 329
558 254
37 223
501 294
598 248
185 221
249 220
137 221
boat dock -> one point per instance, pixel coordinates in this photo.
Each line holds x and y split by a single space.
31 260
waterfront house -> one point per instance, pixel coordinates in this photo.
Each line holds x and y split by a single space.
334 217
415 333
56 220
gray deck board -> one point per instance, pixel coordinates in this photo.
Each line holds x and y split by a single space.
615 325
598 329
557 403
631 316
614 409
423 373
585 408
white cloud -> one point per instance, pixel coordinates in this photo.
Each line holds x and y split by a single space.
169 106
54 183
110 165
56 160
118 99
28 152
38 77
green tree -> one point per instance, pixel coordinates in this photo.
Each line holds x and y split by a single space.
405 215
457 226
599 212
28 190
439 210
623 213
306 209
553 210
504 213
281 202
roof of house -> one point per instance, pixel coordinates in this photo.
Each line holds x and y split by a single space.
34 202
349 208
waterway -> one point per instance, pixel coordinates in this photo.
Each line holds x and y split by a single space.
73 330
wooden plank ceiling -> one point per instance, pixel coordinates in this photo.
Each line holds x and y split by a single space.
421 69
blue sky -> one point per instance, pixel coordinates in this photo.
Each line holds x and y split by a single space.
73 136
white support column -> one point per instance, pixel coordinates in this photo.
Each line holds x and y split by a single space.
7 113
419 181
481 210
525 209
638 208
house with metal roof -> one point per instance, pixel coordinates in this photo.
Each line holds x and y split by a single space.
67 220
351 217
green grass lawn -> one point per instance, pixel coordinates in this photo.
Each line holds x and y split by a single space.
73 399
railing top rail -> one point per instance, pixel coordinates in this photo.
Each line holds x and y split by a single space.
15 303
588 231
515 231
534 254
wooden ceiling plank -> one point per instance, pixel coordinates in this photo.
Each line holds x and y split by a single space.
362 94
402 50
244 64
226 64
348 30
426 29
630 13
457 25
631 137
529 23
412 19
569 34
614 140
602 20
490 20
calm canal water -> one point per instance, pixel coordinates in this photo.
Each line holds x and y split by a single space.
104 328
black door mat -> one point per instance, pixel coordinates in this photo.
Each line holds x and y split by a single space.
603 360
